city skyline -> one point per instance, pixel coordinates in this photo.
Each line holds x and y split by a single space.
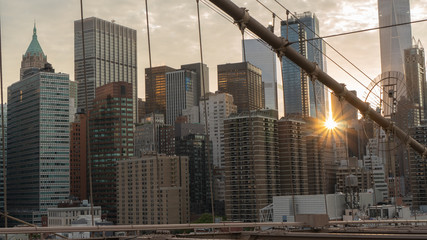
57 42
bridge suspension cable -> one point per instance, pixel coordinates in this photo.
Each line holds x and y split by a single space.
202 74
283 48
88 153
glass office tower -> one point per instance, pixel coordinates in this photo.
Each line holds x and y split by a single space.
300 95
110 57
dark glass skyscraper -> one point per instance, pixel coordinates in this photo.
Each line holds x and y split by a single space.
111 140
394 40
38 168
300 95
243 81
110 57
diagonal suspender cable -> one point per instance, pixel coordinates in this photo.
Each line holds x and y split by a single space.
3 137
210 167
88 157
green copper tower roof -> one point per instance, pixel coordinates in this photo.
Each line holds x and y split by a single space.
34 48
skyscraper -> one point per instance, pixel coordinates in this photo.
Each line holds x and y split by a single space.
293 156
155 89
244 82
219 106
198 84
180 91
111 141
3 158
110 57
300 95
394 40
264 58
34 56
38 143
415 70
195 147
251 164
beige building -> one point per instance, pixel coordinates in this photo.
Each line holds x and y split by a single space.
293 156
251 164
153 190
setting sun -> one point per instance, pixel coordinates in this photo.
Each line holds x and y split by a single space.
331 124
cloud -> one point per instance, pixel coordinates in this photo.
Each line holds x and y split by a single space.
173 28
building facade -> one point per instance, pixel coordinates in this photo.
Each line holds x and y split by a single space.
110 57
418 170
66 215
301 96
153 190
394 40
78 158
3 159
202 80
244 82
251 164
180 92
111 141
218 106
38 143
155 89
293 156
415 71
194 146
264 58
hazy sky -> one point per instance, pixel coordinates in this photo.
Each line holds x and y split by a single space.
175 37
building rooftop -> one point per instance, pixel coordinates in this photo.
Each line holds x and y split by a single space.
34 48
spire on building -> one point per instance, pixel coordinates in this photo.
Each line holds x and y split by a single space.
34 56
34 48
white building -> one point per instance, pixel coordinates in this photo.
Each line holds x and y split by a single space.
65 216
219 106
284 208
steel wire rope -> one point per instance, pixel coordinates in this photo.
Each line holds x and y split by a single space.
207 141
88 153
366 30
150 76
324 166
226 17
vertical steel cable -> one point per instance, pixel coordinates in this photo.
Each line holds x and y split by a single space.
2 137
88 157
210 167
324 165
150 76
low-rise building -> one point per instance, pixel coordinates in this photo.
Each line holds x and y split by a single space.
64 215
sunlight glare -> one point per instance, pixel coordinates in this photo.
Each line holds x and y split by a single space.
330 124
